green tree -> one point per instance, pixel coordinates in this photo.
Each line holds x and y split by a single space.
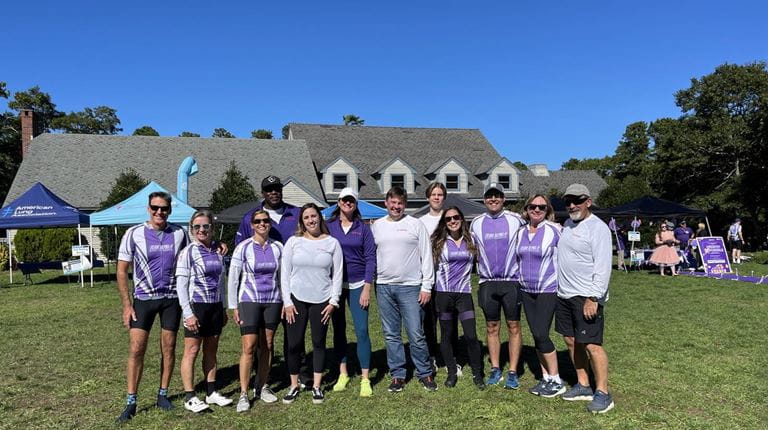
145 130
233 189
286 130
4 94
353 120
188 134
222 132
603 166
128 183
50 244
632 156
261 134
520 165
10 146
99 120
38 101
620 191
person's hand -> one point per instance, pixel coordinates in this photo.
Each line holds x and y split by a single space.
289 313
365 296
424 298
222 249
326 313
236 317
128 315
192 324
590 309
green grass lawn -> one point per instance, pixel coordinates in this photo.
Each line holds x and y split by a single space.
683 352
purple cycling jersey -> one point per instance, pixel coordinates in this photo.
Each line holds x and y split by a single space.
203 269
153 253
494 237
537 258
454 268
253 273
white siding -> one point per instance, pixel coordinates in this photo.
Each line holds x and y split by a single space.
296 196
454 168
339 167
505 168
397 168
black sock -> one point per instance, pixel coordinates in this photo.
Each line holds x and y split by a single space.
188 395
211 387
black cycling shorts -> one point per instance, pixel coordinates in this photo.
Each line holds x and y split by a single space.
570 321
210 319
495 295
256 316
146 311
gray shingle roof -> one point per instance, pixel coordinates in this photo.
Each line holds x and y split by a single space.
82 168
368 147
560 179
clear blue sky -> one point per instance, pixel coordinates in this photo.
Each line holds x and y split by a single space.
544 81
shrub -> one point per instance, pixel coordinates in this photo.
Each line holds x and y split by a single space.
51 244
3 256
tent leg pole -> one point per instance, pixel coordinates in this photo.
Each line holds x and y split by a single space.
80 242
90 249
10 255
708 228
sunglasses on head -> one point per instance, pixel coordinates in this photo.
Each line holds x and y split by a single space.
204 227
453 218
163 209
539 207
575 200
258 221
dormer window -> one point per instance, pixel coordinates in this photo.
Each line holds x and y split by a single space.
397 181
503 180
340 181
452 182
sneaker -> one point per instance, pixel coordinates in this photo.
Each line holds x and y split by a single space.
512 383
243 404
341 383
536 389
267 395
195 405
365 388
601 403
317 395
479 381
578 392
163 403
128 413
495 376
459 373
451 381
552 389
429 383
217 399
291 395
397 385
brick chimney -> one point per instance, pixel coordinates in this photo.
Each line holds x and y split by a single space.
27 130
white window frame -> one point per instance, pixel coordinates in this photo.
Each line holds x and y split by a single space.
404 184
448 180
340 175
501 181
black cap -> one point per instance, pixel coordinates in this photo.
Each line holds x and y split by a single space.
271 181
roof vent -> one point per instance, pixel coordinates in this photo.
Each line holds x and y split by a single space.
538 169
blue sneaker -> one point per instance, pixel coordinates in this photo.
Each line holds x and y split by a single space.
578 392
552 389
495 376
536 389
601 403
512 383
128 413
164 403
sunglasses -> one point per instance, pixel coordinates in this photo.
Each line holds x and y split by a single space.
258 221
539 207
349 200
575 200
453 218
203 227
164 209
273 190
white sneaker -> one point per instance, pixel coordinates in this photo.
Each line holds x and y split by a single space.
195 405
243 404
217 399
267 396
459 373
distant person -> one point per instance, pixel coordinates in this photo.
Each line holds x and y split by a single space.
736 240
701 230
254 296
665 254
284 216
583 273
200 276
152 247
405 274
311 273
494 234
683 234
359 249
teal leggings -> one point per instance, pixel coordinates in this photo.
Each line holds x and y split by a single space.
360 321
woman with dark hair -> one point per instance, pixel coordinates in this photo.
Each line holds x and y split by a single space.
537 262
254 297
453 252
359 250
311 273
200 285
665 254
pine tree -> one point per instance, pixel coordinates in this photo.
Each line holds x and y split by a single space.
233 189
127 184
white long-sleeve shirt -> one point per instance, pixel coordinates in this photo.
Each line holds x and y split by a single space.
584 259
311 270
403 253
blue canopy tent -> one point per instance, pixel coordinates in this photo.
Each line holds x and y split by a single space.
133 210
39 207
367 210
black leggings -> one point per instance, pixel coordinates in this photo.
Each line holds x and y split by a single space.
539 310
449 307
297 330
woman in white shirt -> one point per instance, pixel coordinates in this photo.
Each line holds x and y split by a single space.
311 275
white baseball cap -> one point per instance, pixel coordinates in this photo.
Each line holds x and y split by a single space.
348 192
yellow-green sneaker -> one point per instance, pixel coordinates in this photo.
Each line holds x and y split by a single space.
365 388
341 384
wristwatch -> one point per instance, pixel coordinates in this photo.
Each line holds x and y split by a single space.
594 299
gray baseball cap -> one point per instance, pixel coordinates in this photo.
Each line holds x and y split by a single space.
494 186
577 190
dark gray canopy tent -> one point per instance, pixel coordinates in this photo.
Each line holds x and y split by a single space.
470 208
653 207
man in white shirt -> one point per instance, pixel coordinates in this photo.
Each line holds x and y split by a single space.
583 272
405 273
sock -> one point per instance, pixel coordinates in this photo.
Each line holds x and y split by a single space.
131 399
556 378
546 377
162 392
210 387
188 395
